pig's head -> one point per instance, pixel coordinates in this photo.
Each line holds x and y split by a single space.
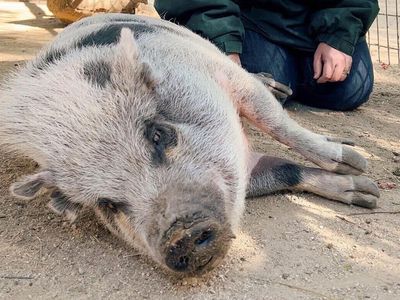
171 186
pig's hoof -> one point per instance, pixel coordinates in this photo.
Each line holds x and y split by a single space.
351 163
335 157
365 192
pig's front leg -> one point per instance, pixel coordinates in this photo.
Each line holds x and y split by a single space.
258 105
61 205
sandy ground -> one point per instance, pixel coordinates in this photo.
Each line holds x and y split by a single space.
292 246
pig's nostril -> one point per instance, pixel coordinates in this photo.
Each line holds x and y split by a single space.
182 263
205 238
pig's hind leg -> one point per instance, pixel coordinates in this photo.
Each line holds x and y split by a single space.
271 174
260 107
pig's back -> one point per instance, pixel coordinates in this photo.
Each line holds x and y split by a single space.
183 63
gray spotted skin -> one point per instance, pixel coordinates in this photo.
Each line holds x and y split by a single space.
61 205
272 174
97 72
138 119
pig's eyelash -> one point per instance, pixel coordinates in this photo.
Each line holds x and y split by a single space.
161 137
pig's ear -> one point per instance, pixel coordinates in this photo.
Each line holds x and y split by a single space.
128 64
127 45
28 187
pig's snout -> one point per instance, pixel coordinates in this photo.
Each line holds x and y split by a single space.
190 252
196 248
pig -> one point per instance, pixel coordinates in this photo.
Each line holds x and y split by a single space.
139 119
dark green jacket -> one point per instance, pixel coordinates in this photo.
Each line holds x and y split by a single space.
298 24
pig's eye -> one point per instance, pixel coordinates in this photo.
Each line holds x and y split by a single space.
157 137
161 137
111 205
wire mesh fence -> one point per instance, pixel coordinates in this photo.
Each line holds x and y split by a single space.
383 36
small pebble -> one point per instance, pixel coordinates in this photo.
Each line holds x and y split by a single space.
329 245
387 185
285 275
368 221
192 281
347 267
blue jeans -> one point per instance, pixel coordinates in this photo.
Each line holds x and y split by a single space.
295 69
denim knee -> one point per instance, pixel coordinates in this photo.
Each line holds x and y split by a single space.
261 55
352 100
347 95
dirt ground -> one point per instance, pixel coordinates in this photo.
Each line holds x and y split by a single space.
292 246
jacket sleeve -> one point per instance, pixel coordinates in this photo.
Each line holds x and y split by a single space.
217 20
340 24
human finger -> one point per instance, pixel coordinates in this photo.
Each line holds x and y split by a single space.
317 65
327 72
338 73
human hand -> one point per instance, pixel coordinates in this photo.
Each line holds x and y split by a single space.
330 64
235 58
279 90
